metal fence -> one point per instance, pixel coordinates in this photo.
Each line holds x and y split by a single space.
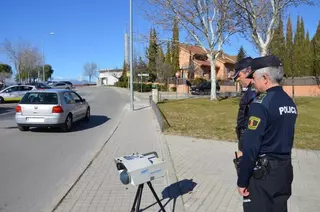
310 80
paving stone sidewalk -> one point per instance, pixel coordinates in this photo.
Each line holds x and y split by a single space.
204 170
100 190
208 164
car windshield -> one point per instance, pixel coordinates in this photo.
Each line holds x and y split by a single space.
40 98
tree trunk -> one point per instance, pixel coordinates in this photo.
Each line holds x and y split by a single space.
292 87
213 95
263 51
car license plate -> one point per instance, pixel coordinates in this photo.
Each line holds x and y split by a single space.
35 120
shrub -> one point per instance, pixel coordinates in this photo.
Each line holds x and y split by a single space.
174 89
163 88
197 81
121 84
144 87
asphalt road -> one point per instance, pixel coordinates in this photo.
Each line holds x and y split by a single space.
38 167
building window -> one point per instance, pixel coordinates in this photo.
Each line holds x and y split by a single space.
200 57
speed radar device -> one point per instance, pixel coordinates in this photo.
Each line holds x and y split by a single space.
138 169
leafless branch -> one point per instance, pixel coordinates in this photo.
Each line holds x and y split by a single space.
209 23
90 70
259 18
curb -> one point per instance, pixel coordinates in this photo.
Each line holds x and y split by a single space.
57 200
171 176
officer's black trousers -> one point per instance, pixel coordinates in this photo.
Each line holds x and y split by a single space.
271 193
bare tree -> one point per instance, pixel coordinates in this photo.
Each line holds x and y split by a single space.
90 70
259 19
24 57
31 62
208 23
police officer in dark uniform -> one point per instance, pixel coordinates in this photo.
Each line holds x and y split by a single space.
242 69
266 173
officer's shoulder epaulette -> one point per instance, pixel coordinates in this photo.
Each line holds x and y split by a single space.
260 98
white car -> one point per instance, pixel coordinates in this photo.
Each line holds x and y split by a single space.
51 108
15 92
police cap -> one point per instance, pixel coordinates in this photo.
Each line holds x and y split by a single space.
242 64
262 62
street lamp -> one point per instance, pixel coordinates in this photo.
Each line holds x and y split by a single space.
131 59
43 73
177 84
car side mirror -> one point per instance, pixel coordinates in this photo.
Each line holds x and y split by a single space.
83 100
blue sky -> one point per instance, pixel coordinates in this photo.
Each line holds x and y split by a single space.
91 30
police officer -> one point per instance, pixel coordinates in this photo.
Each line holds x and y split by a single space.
266 173
242 69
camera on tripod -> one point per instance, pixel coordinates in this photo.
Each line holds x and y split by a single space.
139 169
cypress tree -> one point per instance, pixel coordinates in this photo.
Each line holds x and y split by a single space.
161 54
152 54
307 56
241 54
289 50
175 47
297 50
168 54
315 46
277 46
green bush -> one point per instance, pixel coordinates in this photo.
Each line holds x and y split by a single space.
163 88
121 84
136 86
174 89
145 87
197 81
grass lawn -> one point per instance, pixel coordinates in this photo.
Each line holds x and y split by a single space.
202 118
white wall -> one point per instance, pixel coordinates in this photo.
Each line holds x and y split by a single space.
108 78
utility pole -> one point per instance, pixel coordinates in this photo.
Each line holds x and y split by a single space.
43 74
131 58
43 77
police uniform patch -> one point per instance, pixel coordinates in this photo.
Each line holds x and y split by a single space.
253 122
260 98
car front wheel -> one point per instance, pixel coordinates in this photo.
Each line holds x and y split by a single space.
1 100
87 117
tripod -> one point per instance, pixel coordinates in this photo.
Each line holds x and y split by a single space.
137 199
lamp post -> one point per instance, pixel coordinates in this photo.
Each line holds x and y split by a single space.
131 59
177 76
43 73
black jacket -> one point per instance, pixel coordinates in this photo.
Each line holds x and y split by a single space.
247 97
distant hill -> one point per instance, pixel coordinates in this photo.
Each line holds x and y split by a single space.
78 82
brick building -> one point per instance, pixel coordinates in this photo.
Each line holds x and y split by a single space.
194 63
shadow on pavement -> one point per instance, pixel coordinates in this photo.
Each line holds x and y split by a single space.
5 110
141 108
95 121
173 191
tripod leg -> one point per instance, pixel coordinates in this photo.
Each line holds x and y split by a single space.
139 190
155 196
139 199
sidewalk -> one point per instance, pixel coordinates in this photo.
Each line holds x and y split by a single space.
204 168
100 190
208 163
